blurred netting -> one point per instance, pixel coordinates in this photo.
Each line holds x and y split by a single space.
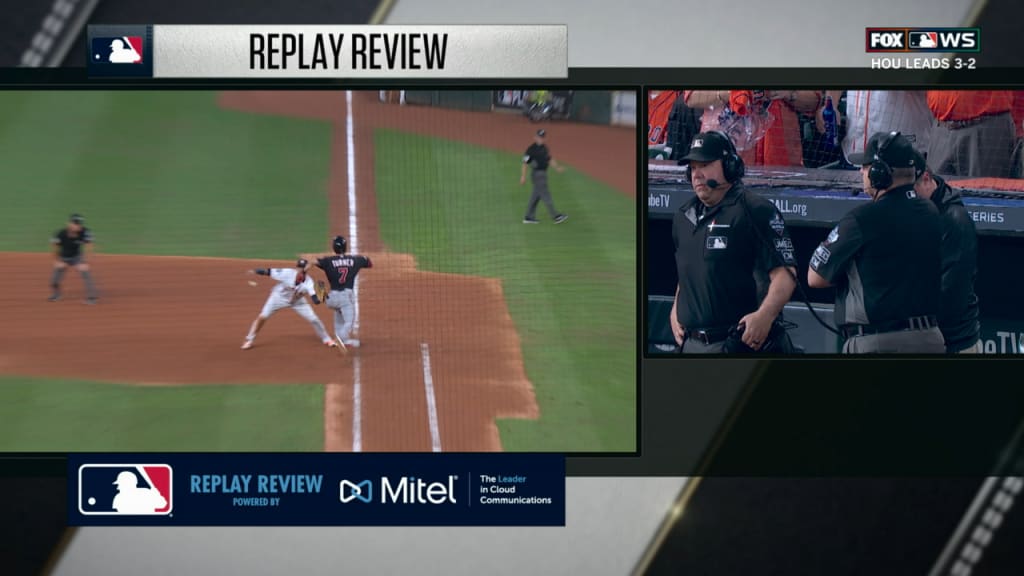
966 133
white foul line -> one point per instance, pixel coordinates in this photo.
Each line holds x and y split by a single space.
357 393
428 385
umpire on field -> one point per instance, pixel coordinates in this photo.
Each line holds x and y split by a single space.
539 158
885 258
734 259
958 310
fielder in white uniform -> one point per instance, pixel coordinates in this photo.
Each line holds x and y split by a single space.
292 287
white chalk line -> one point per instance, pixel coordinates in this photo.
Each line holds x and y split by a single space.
428 386
353 241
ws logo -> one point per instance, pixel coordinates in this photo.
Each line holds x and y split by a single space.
923 40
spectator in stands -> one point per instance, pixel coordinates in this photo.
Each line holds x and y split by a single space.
958 312
884 258
974 133
1017 112
781 145
872 111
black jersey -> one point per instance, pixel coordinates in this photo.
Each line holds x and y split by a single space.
341 270
71 246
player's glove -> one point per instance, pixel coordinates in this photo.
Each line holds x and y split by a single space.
321 291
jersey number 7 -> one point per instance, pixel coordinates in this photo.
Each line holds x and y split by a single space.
342 275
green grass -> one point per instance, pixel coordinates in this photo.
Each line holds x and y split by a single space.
161 173
73 416
570 288
165 173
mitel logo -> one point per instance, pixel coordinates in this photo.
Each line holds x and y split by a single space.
923 40
407 490
125 489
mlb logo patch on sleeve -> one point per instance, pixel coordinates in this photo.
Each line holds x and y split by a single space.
125 489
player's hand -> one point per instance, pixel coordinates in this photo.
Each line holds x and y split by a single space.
677 329
756 328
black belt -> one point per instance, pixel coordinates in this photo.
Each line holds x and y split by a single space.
708 336
915 323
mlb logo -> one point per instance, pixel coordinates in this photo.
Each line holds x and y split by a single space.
117 50
924 39
125 489
717 243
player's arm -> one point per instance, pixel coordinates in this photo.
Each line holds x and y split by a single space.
369 263
701 99
55 242
272 272
833 256
309 287
526 162
556 165
804 101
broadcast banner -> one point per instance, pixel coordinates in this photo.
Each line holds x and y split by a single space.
316 490
365 51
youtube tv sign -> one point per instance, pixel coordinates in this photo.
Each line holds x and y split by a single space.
940 40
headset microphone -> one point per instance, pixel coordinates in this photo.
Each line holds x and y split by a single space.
712 183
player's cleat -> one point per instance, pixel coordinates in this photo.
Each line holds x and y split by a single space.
352 343
340 344
247 345
530 221
561 218
54 297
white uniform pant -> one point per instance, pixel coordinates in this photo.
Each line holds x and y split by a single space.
301 307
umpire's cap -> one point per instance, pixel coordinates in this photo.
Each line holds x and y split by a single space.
340 244
77 219
708 147
892 148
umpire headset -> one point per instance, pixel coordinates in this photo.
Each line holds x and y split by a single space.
733 169
880 173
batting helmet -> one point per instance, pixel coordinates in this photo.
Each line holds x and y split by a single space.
301 263
340 244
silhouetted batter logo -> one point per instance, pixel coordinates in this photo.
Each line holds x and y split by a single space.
117 50
125 489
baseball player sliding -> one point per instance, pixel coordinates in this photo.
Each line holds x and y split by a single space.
292 286
341 270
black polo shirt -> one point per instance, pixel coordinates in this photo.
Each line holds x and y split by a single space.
537 156
724 255
71 246
885 260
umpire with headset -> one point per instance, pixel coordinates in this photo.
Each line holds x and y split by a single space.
734 258
885 258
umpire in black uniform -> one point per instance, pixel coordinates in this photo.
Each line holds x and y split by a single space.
734 258
539 158
70 243
885 258
958 310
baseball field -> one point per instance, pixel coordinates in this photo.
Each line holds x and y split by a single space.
479 333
